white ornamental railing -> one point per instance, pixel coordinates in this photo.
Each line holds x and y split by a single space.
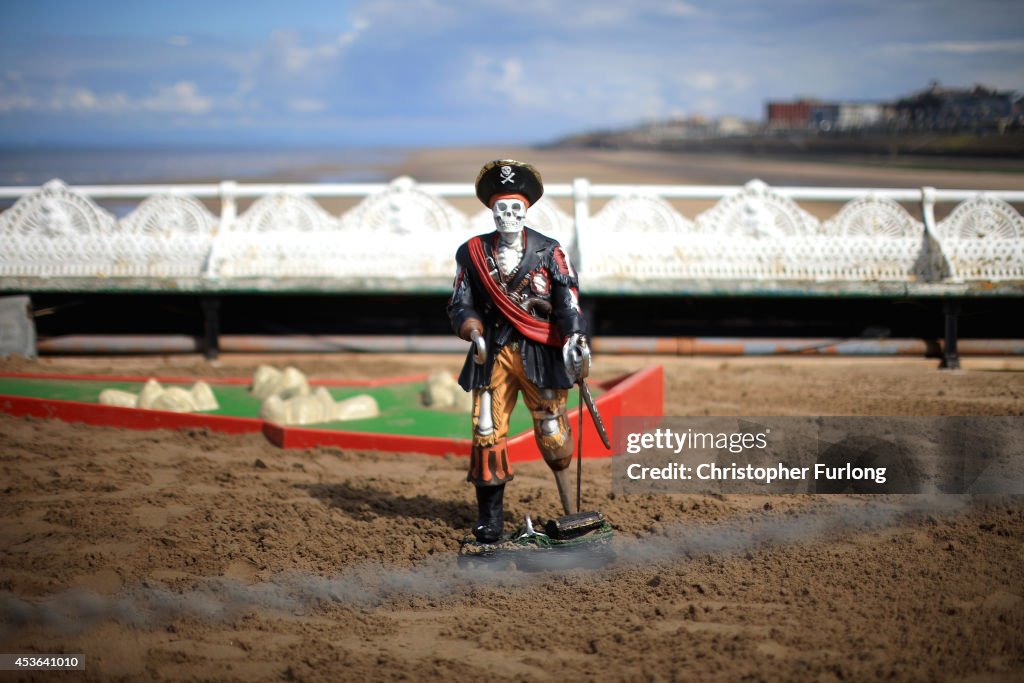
402 236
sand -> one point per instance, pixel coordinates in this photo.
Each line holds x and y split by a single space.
642 166
197 556
461 165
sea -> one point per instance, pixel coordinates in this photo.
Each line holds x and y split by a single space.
31 166
35 166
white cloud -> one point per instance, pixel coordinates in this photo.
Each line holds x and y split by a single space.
79 99
16 102
586 87
398 17
601 16
288 49
702 80
182 97
504 78
678 8
528 67
82 98
306 105
958 47
349 37
179 98
707 80
559 84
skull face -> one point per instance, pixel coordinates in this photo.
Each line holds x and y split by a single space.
509 214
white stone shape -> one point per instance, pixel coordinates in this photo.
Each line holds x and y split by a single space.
442 392
151 390
316 408
273 410
119 398
269 381
359 407
155 396
202 397
437 393
174 399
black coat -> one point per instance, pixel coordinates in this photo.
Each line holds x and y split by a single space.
545 285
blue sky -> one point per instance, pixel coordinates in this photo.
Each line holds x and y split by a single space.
430 72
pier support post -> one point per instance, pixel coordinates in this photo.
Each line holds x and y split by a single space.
211 327
950 354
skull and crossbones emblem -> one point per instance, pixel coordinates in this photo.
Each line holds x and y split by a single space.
507 175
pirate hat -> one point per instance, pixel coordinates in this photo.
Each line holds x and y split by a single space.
505 176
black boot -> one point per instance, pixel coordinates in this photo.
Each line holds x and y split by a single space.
492 514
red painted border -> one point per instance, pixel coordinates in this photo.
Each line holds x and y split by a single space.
127 418
640 393
304 437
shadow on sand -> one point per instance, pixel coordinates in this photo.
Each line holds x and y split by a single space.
366 503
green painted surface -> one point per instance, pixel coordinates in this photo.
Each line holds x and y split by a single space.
401 411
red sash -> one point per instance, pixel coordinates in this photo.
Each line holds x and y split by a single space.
528 326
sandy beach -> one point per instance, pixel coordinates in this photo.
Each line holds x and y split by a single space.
193 555
198 556
643 167
461 164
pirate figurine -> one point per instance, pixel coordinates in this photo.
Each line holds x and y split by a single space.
516 298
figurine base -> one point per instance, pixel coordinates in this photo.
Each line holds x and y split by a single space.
532 550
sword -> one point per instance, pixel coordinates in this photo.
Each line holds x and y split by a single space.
587 399
598 422
577 356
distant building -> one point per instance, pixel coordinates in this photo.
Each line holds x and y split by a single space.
936 108
971 109
694 127
855 115
815 115
728 126
783 115
824 117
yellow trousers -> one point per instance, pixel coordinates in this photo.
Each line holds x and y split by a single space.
488 465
